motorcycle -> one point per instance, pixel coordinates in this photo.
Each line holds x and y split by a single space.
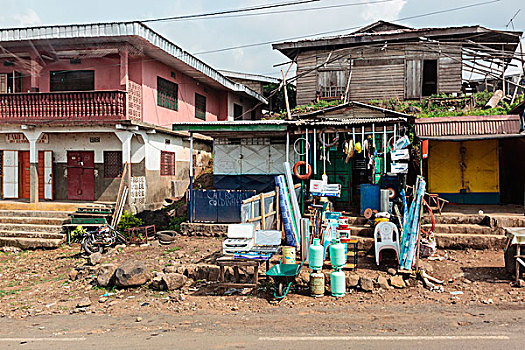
103 237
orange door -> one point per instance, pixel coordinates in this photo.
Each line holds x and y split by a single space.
24 174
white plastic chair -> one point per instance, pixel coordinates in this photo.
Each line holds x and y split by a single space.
386 236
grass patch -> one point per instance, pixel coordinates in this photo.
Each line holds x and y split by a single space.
173 249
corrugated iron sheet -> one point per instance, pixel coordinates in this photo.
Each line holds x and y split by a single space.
468 126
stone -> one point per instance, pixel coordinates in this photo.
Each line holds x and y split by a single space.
391 271
352 280
105 275
383 282
157 282
304 278
458 275
95 259
102 300
521 283
84 302
366 284
138 319
73 274
174 281
397 282
170 269
132 273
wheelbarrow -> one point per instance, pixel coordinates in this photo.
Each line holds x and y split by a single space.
283 276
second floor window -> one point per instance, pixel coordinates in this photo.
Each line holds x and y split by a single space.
200 106
167 94
72 80
331 83
237 111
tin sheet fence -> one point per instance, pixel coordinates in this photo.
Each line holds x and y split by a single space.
218 206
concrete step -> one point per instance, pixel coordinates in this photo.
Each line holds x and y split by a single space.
36 213
30 243
472 241
31 228
463 229
362 231
31 220
25 234
453 219
42 206
509 221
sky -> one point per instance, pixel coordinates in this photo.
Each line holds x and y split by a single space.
199 36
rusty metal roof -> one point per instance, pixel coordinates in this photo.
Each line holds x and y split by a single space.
468 127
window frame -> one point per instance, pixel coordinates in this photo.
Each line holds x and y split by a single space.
165 165
237 106
54 84
106 175
200 113
166 91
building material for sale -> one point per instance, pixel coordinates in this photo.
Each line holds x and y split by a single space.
293 197
288 220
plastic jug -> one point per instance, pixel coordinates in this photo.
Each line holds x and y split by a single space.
315 255
338 283
337 254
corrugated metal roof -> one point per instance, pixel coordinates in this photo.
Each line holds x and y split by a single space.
123 29
468 126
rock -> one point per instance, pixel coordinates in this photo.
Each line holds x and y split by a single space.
138 319
383 282
521 283
84 302
366 284
397 282
157 282
105 275
131 273
458 275
102 300
488 301
304 278
411 282
170 269
392 271
352 280
95 259
174 281
73 274
425 265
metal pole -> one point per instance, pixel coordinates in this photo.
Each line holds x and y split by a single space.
306 150
191 177
395 129
374 135
315 151
384 146
287 147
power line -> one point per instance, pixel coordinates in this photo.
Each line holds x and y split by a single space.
295 10
216 13
345 29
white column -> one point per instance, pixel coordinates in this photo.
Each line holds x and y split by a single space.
33 136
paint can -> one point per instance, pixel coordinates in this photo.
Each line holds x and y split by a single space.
317 284
288 255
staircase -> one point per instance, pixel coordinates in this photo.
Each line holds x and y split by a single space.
453 231
30 229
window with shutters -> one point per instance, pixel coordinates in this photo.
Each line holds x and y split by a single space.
167 94
331 84
200 106
167 163
112 164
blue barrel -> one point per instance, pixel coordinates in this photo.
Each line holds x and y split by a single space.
369 197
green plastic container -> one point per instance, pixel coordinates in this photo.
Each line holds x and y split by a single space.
338 283
337 254
316 255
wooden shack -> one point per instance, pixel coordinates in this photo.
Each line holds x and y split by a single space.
386 60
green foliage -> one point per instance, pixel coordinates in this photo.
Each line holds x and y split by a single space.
76 234
128 221
277 101
175 223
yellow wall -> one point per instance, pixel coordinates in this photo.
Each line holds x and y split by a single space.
481 171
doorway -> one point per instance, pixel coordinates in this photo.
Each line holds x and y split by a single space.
45 175
430 77
81 175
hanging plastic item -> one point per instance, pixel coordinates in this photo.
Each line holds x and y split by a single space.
424 149
358 147
327 140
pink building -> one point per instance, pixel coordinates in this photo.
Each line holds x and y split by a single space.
77 102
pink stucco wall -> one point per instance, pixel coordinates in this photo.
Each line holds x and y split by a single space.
152 113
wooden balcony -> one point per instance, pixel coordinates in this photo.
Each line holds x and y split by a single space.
63 106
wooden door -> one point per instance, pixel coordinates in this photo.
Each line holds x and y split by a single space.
3 83
46 168
413 78
10 174
24 175
80 175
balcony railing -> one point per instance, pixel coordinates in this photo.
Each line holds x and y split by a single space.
64 106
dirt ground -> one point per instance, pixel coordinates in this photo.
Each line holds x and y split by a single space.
37 283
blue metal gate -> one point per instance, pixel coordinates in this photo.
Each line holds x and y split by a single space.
218 206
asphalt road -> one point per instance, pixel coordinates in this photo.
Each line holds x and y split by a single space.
283 327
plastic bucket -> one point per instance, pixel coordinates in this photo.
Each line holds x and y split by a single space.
288 255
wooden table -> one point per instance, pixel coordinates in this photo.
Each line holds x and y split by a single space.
229 261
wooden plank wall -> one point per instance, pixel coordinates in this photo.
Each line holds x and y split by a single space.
379 73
